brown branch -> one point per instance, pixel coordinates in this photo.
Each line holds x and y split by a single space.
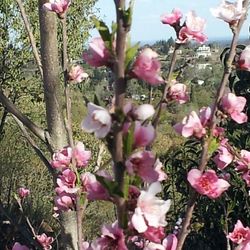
156 117
37 131
205 156
120 89
36 148
31 36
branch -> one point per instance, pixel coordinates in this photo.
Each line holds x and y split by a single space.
167 84
37 131
36 148
31 36
120 89
204 156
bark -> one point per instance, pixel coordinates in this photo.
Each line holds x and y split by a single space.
53 93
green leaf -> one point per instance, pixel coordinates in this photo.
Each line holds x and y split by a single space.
97 100
127 14
111 186
130 54
104 32
128 140
213 146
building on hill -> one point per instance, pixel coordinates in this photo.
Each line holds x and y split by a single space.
203 51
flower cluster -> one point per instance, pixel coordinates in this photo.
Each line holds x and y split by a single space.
66 181
192 28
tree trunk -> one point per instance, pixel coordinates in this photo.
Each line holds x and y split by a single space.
54 109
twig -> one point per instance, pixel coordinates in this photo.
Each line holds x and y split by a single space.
79 208
37 131
26 218
206 144
35 147
167 84
31 36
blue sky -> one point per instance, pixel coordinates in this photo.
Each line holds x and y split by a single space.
147 26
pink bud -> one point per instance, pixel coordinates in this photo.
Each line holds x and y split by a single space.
170 242
147 67
173 18
58 6
23 192
143 112
244 60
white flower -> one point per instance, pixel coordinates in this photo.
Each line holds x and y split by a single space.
98 121
150 209
229 12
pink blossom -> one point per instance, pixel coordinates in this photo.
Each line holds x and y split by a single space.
193 29
58 6
178 92
173 18
143 112
224 157
244 60
98 121
64 201
143 135
147 67
205 115
97 55
18 246
244 162
151 210
170 242
62 158
93 188
143 164
240 233
228 11
23 192
246 177
76 74
190 125
112 238
233 105
66 182
45 241
207 183
81 155
155 234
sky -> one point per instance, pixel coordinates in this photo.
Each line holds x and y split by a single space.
147 27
